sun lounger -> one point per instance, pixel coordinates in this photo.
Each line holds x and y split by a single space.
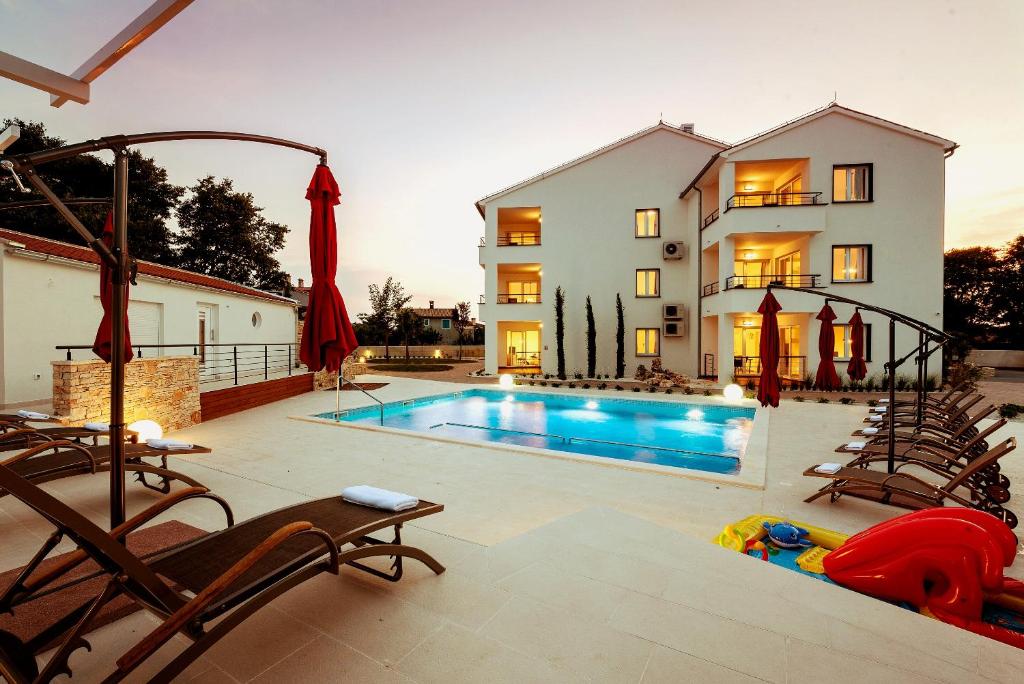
937 430
908 491
955 443
30 417
18 436
57 459
907 415
226 575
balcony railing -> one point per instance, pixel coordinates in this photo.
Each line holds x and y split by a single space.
710 289
518 298
763 281
522 359
482 300
774 199
519 240
790 367
483 241
709 219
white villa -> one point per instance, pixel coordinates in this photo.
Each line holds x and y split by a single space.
689 231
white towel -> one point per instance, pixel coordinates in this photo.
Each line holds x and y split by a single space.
869 431
875 418
98 427
169 444
856 446
33 415
365 495
883 401
829 468
880 409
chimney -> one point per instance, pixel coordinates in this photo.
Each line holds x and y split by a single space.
687 128
301 281
431 303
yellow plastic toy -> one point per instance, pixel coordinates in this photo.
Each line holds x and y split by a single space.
748 532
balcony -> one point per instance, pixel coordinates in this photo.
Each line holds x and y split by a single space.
763 281
710 289
773 199
516 298
709 219
790 367
518 239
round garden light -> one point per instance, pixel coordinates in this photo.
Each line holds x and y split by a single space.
505 381
146 429
732 392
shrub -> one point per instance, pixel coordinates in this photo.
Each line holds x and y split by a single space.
556 384
585 385
872 402
689 390
707 393
602 386
966 374
846 400
931 383
800 399
547 376
652 389
636 389
870 383
668 391
751 385
641 372
532 383
823 400
618 388
903 383
572 385
543 383
1011 410
577 375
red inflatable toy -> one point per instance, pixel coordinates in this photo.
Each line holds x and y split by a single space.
948 562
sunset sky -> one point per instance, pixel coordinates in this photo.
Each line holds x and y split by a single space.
427 106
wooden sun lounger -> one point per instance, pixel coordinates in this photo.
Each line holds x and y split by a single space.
975 445
226 575
908 491
15 418
907 415
57 459
17 436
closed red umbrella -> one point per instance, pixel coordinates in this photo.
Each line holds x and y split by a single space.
827 379
857 369
102 344
327 335
769 387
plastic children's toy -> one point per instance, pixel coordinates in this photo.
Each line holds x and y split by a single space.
787 535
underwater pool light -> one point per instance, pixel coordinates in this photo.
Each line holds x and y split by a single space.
592 405
695 414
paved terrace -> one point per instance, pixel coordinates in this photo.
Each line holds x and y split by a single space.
557 570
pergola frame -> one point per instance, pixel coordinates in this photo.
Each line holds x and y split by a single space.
927 334
117 257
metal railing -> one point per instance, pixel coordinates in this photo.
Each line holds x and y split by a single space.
240 363
709 219
709 289
773 199
764 280
708 369
483 241
481 300
522 359
519 240
791 367
518 298
337 397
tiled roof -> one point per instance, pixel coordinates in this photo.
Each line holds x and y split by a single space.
433 313
65 250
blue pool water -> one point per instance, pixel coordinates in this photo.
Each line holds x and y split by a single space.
699 437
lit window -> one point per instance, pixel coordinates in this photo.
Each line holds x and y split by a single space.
851 264
446 323
648 282
525 292
851 183
648 223
647 340
843 349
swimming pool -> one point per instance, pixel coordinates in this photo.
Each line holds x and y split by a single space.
669 433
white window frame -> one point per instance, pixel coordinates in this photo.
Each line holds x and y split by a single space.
646 214
647 339
847 251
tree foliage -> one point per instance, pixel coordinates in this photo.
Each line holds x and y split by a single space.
151 198
385 304
591 341
224 234
620 338
460 321
984 295
560 330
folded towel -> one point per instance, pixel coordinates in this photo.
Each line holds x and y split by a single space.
365 495
875 418
883 401
856 446
98 427
33 415
869 431
829 468
880 409
169 444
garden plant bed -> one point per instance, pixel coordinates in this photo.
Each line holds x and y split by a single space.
410 367
419 361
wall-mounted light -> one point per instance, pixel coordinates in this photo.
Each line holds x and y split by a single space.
747 187
749 255
747 324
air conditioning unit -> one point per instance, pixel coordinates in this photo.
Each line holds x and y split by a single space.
673 312
673 249
675 329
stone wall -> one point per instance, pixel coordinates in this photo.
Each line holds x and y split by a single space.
997 358
448 351
165 390
323 380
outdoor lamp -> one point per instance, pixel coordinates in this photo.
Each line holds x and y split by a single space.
732 392
146 429
505 381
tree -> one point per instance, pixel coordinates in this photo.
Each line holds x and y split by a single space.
620 338
224 234
560 330
385 303
969 303
591 341
151 198
460 321
408 322
1009 293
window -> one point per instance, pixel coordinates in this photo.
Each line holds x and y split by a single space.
257 320
851 263
648 223
851 183
844 342
446 323
524 292
647 340
648 282
426 322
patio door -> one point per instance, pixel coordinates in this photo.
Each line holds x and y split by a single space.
522 348
206 321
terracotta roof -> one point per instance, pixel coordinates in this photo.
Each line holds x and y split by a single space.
433 313
65 250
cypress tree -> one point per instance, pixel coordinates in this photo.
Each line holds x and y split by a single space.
591 341
620 338
560 330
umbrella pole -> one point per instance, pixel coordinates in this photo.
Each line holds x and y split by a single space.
117 360
891 412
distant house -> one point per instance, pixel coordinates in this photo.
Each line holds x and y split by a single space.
440 320
49 296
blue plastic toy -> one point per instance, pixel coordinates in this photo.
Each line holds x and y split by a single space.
786 535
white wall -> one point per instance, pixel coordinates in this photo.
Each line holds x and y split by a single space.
46 303
588 248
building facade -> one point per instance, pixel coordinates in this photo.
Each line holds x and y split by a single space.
689 232
440 321
50 297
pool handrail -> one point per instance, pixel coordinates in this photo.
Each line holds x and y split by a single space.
337 397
